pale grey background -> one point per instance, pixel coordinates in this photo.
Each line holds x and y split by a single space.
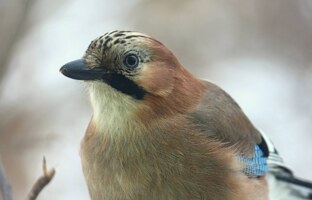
259 51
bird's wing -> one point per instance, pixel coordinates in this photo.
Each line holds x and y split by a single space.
219 117
274 160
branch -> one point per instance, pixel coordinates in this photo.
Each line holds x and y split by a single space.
41 181
5 188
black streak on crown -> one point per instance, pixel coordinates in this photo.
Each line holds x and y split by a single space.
107 41
119 34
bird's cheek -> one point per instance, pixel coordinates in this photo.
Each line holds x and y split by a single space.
156 79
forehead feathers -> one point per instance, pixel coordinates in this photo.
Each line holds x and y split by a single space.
124 39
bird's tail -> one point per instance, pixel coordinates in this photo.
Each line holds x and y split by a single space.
288 187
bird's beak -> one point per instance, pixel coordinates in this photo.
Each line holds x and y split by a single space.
78 70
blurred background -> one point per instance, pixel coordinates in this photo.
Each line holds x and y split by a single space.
260 52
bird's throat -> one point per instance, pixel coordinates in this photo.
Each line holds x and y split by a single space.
112 110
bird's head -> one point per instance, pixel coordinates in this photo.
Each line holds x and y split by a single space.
131 68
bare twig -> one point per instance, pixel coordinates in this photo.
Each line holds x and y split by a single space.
5 188
41 181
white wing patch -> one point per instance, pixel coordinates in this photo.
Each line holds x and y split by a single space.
274 161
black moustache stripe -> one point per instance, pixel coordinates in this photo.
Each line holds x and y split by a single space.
124 85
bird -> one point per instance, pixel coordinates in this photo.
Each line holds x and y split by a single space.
158 132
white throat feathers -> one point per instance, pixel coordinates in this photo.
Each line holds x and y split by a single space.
113 110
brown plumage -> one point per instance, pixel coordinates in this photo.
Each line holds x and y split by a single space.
157 131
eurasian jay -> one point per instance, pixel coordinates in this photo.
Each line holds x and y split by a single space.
157 132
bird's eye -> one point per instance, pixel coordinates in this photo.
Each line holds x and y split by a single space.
131 61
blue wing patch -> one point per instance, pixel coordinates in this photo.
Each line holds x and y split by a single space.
256 165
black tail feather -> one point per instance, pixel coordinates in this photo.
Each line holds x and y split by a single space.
294 180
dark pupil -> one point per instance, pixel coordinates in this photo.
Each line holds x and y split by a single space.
131 61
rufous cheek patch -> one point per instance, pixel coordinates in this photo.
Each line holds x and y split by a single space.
156 78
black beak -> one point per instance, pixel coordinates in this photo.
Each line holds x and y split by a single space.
78 70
